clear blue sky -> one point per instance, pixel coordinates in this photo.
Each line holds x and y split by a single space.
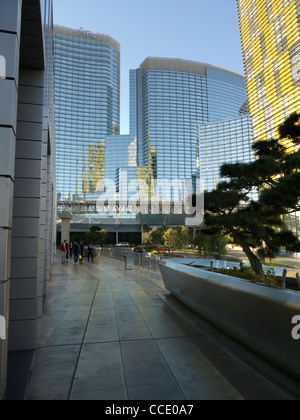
198 30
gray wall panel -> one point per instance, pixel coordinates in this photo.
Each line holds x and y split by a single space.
260 316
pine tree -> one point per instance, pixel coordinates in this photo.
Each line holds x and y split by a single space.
275 178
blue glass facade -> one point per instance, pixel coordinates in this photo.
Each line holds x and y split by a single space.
120 152
87 96
169 100
226 141
226 93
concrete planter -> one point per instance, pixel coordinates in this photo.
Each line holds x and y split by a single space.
260 316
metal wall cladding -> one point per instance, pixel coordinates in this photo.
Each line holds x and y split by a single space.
260 316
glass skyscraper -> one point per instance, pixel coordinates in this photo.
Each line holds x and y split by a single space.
120 154
226 141
170 99
270 31
87 96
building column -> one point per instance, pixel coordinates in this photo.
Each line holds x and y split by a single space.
10 28
43 216
28 205
48 231
65 226
142 233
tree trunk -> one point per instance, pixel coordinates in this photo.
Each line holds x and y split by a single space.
253 259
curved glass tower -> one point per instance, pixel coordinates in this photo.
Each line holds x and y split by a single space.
87 96
226 141
170 100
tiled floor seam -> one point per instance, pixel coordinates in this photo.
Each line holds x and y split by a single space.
160 352
170 369
119 342
133 284
82 341
153 339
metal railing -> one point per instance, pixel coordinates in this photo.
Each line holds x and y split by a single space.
139 260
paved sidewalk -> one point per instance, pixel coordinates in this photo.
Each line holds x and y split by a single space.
111 334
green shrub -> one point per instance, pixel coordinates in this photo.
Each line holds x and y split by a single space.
247 273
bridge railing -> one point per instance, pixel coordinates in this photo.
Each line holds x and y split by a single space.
139 260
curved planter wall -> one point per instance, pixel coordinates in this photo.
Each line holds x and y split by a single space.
260 316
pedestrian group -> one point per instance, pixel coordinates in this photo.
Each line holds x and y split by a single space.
76 250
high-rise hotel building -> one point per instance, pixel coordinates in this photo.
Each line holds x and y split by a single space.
270 31
172 102
87 97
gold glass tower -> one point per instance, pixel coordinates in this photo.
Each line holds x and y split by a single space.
270 31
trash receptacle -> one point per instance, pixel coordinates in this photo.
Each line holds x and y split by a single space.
129 261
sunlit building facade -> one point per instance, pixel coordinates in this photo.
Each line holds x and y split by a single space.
87 97
270 31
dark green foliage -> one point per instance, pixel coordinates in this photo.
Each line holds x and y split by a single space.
291 129
284 193
212 244
270 148
275 178
155 236
96 236
247 273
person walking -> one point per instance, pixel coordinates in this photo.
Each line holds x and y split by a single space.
67 251
63 251
71 249
81 248
76 252
90 252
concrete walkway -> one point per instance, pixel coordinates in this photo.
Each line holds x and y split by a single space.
111 334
